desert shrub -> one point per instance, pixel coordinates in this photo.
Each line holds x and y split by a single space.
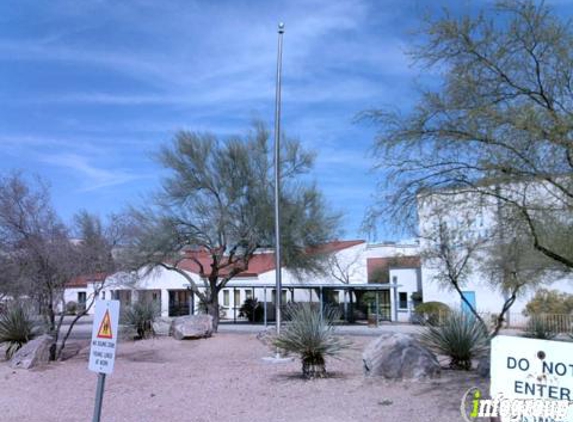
140 317
310 335
71 308
17 327
461 337
550 302
539 327
252 310
431 313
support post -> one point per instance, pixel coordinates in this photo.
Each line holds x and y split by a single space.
234 305
265 307
99 397
377 307
345 305
321 302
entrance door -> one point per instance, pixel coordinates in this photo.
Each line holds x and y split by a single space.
179 302
471 298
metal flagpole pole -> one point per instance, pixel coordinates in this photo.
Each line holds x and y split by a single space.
278 295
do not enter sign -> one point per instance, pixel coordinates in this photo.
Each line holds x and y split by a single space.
531 369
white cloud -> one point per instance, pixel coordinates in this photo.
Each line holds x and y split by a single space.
93 177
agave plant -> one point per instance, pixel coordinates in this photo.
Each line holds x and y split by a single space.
17 327
311 336
140 317
461 337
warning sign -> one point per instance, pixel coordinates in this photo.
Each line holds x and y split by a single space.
104 336
105 327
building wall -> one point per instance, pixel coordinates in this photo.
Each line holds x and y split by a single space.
352 260
407 280
472 218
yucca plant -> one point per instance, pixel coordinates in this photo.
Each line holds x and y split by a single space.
461 337
140 317
17 327
538 327
310 335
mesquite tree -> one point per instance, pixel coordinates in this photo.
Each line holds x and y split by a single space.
215 209
42 255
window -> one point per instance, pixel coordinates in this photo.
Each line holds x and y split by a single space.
248 294
102 295
395 279
82 298
402 300
283 297
237 298
225 298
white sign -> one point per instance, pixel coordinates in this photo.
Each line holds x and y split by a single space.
531 369
104 336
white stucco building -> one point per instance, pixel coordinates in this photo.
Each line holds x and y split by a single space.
471 218
361 279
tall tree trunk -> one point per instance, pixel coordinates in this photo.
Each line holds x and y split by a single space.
213 310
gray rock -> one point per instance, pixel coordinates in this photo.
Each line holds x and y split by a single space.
34 353
483 368
399 356
162 326
192 327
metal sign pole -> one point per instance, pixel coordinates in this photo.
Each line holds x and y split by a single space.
99 397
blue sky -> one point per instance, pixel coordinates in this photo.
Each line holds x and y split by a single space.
89 90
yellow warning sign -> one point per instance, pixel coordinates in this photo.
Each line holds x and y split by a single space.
105 327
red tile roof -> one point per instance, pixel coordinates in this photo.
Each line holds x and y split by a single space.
259 263
83 280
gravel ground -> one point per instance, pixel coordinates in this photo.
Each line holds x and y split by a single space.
223 379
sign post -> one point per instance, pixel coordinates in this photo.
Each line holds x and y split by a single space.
103 346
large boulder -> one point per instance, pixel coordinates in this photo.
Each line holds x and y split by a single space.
192 327
399 356
34 353
162 326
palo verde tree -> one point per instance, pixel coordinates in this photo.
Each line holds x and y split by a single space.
499 125
215 210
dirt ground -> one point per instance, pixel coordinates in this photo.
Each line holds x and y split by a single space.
223 379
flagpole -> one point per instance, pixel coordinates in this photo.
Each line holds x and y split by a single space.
278 262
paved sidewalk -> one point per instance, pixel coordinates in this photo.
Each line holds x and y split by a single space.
354 329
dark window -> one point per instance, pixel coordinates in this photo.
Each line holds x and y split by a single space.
403 300
82 298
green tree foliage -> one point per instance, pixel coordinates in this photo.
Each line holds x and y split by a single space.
498 126
215 209
550 302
